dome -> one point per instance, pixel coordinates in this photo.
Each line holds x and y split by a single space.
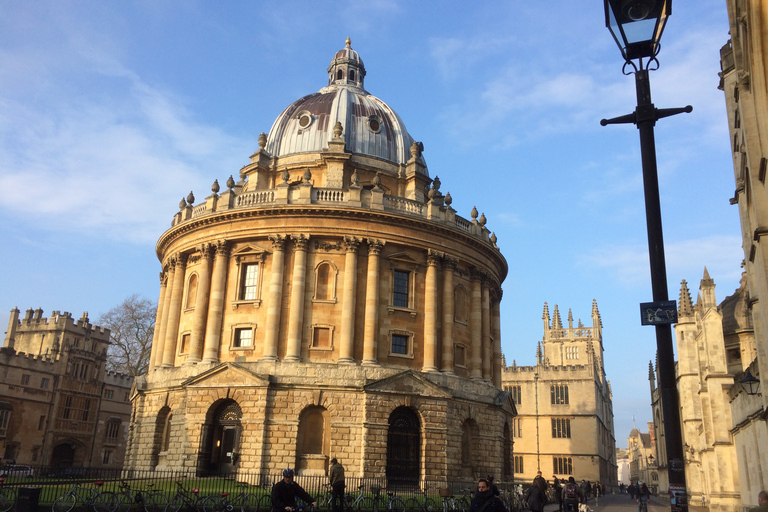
370 127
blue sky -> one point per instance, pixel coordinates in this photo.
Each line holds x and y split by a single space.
111 112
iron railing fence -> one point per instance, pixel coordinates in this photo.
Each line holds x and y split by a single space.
54 482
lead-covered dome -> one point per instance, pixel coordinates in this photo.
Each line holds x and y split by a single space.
371 127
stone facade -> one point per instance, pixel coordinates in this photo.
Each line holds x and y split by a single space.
641 458
744 81
712 341
58 404
329 303
565 406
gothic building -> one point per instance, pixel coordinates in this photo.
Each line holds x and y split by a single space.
564 425
58 404
744 81
328 303
712 341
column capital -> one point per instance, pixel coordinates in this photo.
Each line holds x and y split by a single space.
222 248
163 279
180 260
300 242
478 274
278 242
207 250
374 246
434 257
351 243
450 262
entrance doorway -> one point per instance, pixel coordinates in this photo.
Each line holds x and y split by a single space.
220 439
403 448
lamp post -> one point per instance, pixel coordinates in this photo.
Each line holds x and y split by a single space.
637 25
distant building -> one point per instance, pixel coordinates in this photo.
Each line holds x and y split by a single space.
58 404
622 462
711 341
564 425
744 82
641 450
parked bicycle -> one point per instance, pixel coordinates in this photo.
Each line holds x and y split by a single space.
420 502
325 500
453 502
149 500
352 500
240 502
98 500
7 497
379 503
191 501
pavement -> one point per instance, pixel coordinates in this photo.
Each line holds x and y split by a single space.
623 503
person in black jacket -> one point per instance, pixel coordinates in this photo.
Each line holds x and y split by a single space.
535 498
285 491
484 500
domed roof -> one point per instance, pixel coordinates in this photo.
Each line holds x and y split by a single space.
371 127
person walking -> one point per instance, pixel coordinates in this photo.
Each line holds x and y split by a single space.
572 496
535 498
558 492
539 480
336 477
484 500
632 489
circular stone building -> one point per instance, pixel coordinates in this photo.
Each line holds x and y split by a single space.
328 303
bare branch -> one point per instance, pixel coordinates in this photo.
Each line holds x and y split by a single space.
132 325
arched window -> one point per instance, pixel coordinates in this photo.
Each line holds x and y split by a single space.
161 436
325 281
191 291
403 446
339 74
460 304
469 435
312 440
352 75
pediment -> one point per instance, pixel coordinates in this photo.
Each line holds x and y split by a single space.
249 250
410 383
505 401
227 375
403 258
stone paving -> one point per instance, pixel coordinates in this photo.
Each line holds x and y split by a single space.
623 503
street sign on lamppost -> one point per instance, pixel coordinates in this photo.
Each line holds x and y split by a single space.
637 25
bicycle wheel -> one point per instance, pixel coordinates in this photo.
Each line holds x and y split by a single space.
214 504
175 503
365 504
396 504
247 503
7 499
124 503
265 503
429 505
155 502
463 504
108 502
412 505
64 503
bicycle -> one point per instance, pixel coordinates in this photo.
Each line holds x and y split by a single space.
379 503
149 500
420 502
7 497
351 501
100 501
324 500
454 503
191 500
642 505
241 502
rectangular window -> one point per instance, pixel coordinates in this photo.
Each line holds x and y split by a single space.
459 356
44 383
109 393
35 451
107 457
519 464
41 423
249 285
67 407
184 343
25 380
399 344
113 428
86 410
5 416
562 465
400 293
571 352
517 427
243 337
516 393
561 428
559 394
321 337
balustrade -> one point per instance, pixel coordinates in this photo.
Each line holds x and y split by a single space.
403 205
258 197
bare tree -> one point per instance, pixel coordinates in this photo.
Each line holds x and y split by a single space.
132 325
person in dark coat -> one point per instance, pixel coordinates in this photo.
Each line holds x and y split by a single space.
539 480
484 500
535 498
556 485
285 491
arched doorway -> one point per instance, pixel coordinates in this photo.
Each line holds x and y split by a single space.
403 448
63 455
220 438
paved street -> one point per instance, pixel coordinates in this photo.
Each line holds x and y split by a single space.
623 503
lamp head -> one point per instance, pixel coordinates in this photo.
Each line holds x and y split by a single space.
750 383
637 25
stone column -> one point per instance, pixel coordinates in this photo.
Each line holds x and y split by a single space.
157 350
212 340
298 285
348 306
496 330
201 307
430 313
174 311
449 265
370 336
476 326
272 329
486 314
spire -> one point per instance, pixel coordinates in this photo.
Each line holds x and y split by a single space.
707 288
556 323
651 376
545 316
570 319
596 320
539 354
684 304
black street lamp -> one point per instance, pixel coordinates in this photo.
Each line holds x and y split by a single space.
750 384
637 25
